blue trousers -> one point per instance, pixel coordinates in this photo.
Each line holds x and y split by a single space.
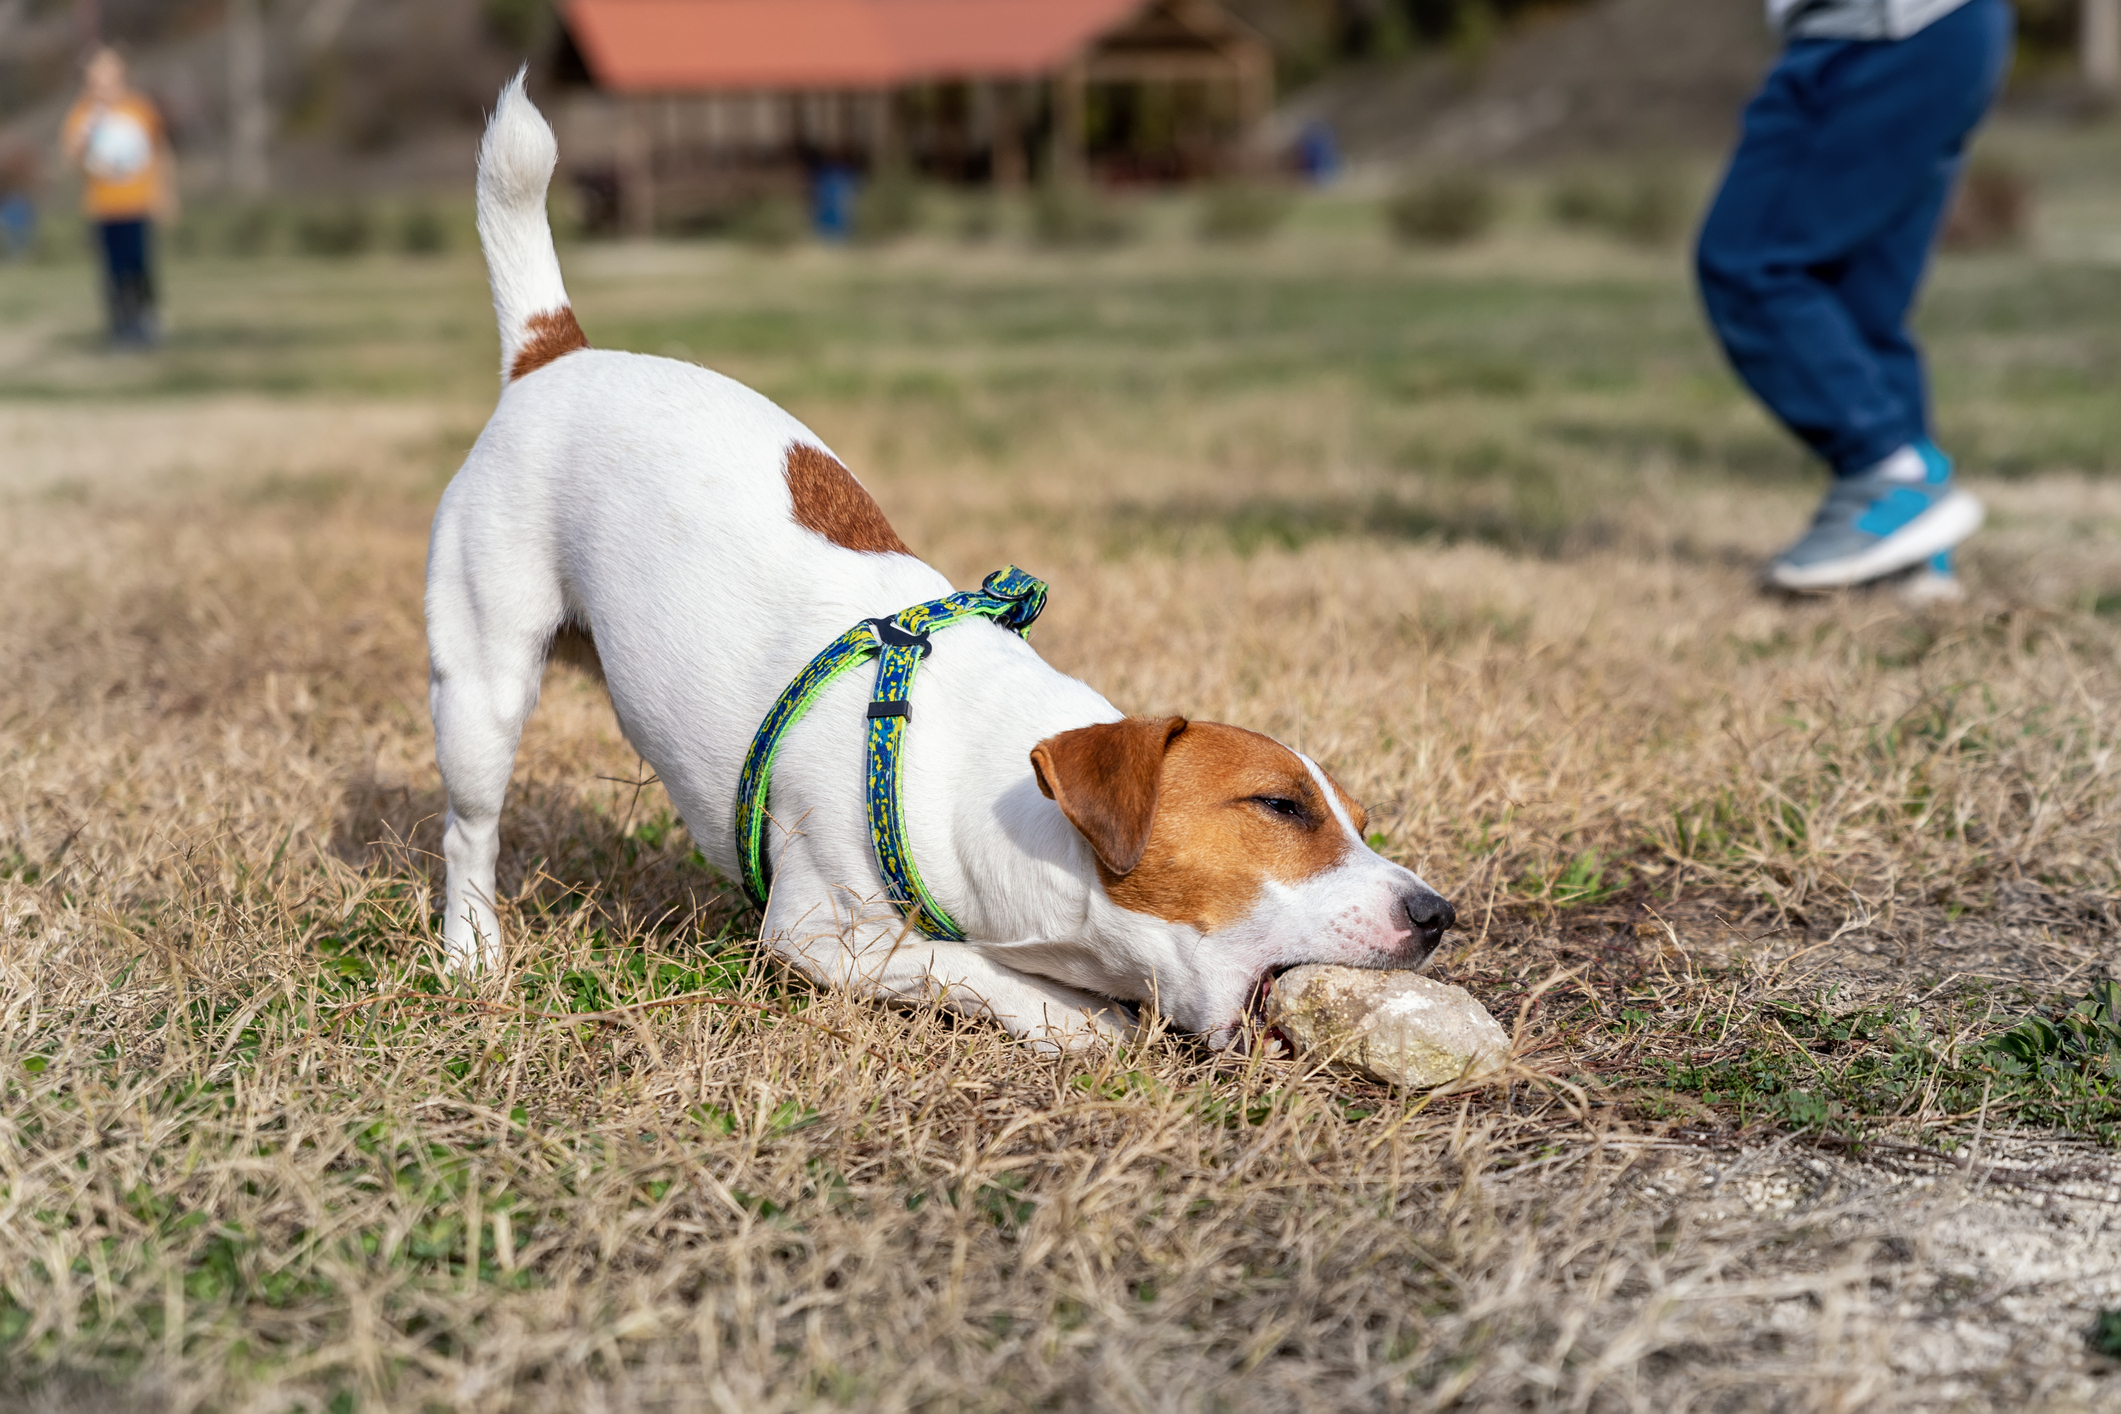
1812 253
128 275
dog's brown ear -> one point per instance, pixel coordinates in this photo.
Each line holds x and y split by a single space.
1104 779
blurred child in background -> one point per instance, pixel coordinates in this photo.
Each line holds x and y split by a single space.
116 137
1811 256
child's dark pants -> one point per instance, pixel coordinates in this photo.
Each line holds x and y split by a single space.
1812 253
129 282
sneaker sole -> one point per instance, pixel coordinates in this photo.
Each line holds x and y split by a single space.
1940 527
1929 587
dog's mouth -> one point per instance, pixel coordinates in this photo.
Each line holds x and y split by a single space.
1258 1004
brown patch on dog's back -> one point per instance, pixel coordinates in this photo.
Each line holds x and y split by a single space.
1212 841
831 502
552 334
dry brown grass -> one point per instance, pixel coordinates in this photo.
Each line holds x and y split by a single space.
241 1169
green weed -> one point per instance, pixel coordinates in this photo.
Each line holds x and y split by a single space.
1858 1074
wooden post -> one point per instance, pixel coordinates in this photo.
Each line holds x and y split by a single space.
1255 99
1007 164
636 171
1068 157
249 121
2100 42
887 151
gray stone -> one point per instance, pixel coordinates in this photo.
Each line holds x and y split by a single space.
1398 1027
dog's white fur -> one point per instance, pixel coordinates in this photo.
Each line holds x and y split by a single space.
643 500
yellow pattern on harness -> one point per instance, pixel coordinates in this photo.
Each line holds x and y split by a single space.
1011 598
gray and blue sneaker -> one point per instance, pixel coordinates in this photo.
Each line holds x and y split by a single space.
1893 517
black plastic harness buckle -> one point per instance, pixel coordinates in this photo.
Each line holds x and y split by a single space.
892 636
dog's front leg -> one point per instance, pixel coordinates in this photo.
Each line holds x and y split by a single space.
1049 1016
865 948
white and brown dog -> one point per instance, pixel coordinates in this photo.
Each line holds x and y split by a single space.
708 544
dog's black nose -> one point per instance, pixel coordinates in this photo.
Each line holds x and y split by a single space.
1429 913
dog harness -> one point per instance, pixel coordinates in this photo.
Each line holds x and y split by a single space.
1010 598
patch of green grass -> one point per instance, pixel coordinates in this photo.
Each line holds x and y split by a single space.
2105 1335
1588 878
1859 1073
1243 211
1448 209
218 1270
421 1206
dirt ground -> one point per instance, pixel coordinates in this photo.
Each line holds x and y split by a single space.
1476 528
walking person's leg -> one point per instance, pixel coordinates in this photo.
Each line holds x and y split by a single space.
112 245
1881 278
147 326
1879 281
1811 257
125 245
1878 288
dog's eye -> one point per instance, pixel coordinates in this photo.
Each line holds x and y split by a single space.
1281 805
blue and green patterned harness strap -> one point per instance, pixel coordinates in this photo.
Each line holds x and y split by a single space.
1009 597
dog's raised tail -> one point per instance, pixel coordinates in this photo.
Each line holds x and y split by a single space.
515 168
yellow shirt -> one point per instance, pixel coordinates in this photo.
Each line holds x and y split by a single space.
121 153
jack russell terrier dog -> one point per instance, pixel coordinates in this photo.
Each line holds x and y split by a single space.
707 544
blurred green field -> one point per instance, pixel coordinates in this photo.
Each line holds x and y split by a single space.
1335 383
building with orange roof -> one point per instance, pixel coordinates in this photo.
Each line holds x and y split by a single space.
680 109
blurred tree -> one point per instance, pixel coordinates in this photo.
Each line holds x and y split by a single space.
2100 44
1308 34
1462 22
249 113
521 24
1375 29
2049 27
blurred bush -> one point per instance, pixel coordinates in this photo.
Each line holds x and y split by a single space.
1076 214
1992 210
1580 202
1243 211
1648 209
1449 209
979 218
338 231
522 25
774 221
250 230
421 231
889 207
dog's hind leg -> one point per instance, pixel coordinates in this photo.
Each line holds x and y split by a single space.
490 623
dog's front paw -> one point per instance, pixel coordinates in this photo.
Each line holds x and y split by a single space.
1084 1030
468 957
